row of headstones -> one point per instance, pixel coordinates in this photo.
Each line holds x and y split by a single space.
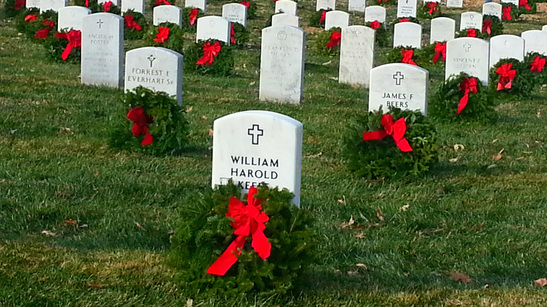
136 5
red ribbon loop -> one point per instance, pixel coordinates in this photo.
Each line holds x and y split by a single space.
506 76
432 6
506 13
246 3
375 24
487 26
467 85
407 56
404 20
335 39
440 49
165 2
163 35
131 23
525 4
471 32
31 17
193 16
106 6
232 34
140 124
323 16
397 131
44 32
210 51
74 38
248 221
86 3
19 4
537 64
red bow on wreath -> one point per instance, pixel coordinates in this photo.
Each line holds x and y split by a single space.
335 39
375 24
74 38
246 3
432 6
19 4
506 76
525 4
323 16
158 2
487 26
131 23
506 13
163 35
404 20
44 32
407 56
380 1
440 49
248 221
537 64
232 34
471 32
210 51
106 6
193 16
140 124
86 3
467 85
30 17
397 131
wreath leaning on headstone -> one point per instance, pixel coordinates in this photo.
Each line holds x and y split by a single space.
407 55
491 26
385 2
317 19
216 255
381 36
535 63
154 3
167 35
527 7
190 17
37 26
430 10
210 57
150 122
397 144
239 35
328 42
12 8
135 25
433 54
462 97
509 12
510 76
64 46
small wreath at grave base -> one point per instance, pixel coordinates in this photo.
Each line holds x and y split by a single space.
150 122
381 36
536 65
205 233
385 2
430 10
406 54
448 101
251 8
154 3
510 77
380 157
135 25
37 27
239 35
190 18
328 42
12 8
491 26
317 19
509 12
433 54
90 4
469 32
105 7
167 35
64 46
527 7
405 19
200 58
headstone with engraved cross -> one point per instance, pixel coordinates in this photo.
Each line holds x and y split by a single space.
252 147
470 20
167 13
235 12
155 68
406 8
398 85
469 55
102 50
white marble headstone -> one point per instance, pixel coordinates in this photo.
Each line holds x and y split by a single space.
492 8
199 4
70 17
505 47
252 147
544 28
213 27
454 3
325 5
398 85
356 55
167 13
285 19
336 19
469 55
514 2
55 5
407 34
442 29
135 5
535 41
235 12
155 68
375 12
357 5
282 64
285 6
471 20
32 3
406 8
102 50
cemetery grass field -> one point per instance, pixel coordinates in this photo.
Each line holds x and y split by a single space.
84 224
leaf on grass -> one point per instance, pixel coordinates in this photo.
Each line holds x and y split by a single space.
494 141
460 277
520 158
95 286
203 117
348 224
327 63
540 283
360 235
43 278
48 233
453 160
70 221
189 302
140 226
379 215
211 132
498 156
404 208
342 201
360 265
458 147
353 273
252 83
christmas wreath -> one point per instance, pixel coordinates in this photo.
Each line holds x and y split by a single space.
211 57
64 46
251 8
462 98
527 7
318 18
135 25
239 35
12 8
328 42
491 26
510 76
386 2
152 122
430 10
221 249
433 54
167 35
37 26
190 17
469 32
405 19
509 12
407 54
96 7
396 144
381 36
154 3
535 63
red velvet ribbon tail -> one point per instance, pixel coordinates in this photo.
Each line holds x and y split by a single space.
228 258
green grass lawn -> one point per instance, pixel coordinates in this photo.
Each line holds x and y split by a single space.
472 214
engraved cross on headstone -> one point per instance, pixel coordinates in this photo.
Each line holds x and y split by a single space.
151 58
466 47
100 23
255 132
398 76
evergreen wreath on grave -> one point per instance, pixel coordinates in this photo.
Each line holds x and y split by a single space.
469 32
64 46
433 54
405 19
509 12
328 42
527 7
535 63
430 10
90 4
135 25
397 144
408 55
105 7
251 8
510 76
270 255
317 19
239 35
190 17
211 57
491 26
385 2
154 3
462 98
167 35
381 36
37 26
12 8
150 122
